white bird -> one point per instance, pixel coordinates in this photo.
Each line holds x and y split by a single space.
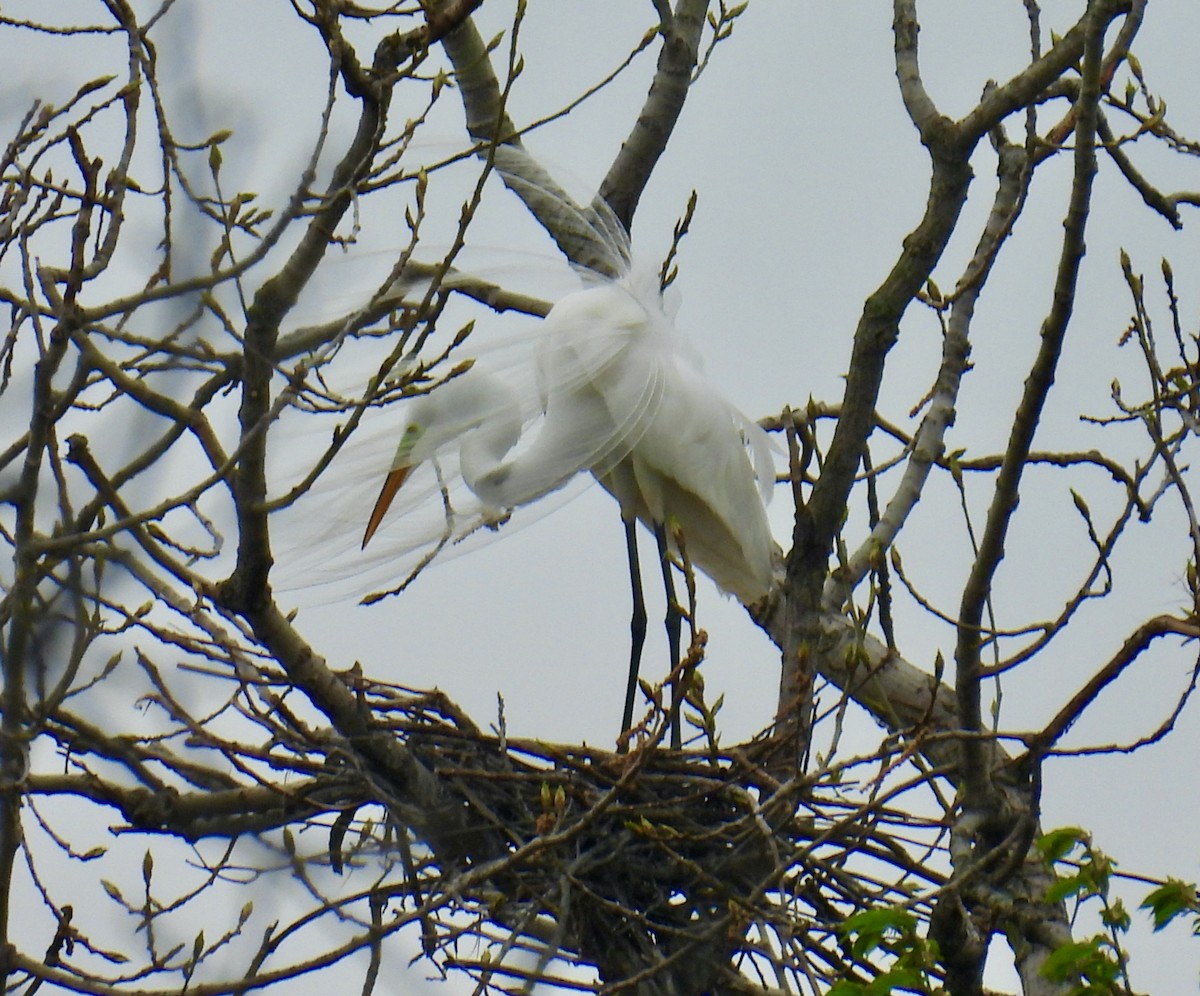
621 394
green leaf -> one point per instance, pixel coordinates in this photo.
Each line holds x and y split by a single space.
898 979
871 926
1081 960
1057 844
1063 963
1171 899
1116 916
1064 887
881 919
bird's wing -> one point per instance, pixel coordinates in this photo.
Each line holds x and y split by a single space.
701 467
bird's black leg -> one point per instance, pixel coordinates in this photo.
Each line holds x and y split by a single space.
637 628
674 625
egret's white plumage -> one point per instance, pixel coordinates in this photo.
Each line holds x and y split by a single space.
624 397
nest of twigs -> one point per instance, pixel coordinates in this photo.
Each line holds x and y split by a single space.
652 871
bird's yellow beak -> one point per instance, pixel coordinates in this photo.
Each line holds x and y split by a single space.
391 484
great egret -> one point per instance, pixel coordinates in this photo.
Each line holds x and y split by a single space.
621 393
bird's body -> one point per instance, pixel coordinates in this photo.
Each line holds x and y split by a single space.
623 396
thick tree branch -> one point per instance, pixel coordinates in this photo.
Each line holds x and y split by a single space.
927 444
630 171
1028 415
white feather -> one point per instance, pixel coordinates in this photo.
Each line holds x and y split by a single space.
606 384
